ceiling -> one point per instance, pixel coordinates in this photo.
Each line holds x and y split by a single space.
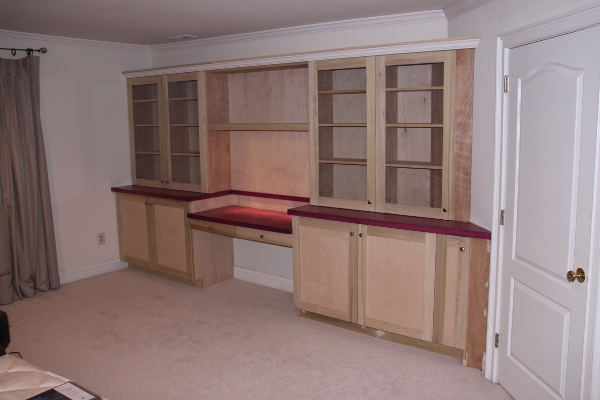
150 22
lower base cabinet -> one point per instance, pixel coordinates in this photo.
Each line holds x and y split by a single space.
155 234
405 282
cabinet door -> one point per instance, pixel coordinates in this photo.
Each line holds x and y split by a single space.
397 281
146 127
414 130
342 126
183 135
456 286
325 267
171 234
134 243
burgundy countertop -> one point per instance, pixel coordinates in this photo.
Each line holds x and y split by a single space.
182 195
456 228
255 218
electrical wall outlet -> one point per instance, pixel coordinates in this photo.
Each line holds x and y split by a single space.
101 238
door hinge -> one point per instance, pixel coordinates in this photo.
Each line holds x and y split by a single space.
497 340
501 217
506 83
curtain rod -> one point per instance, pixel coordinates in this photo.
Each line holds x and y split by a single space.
29 51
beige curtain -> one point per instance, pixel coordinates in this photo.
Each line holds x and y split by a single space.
27 244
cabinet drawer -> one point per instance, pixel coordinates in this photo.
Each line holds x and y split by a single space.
212 227
280 239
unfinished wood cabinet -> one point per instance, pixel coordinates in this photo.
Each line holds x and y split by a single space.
343 133
256 124
397 277
155 234
165 137
325 267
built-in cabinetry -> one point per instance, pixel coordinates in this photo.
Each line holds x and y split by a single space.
164 126
393 133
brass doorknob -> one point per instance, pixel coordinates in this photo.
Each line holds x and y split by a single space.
579 275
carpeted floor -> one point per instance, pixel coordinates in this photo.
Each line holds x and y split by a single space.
129 335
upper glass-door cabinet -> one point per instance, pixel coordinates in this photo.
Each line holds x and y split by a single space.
342 129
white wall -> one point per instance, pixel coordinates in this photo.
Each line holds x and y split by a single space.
489 21
84 119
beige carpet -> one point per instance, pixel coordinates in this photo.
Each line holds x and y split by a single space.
129 335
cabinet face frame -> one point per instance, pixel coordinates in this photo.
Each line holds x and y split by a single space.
301 264
426 291
159 82
448 59
192 76
314 67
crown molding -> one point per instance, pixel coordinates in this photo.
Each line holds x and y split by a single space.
398 48
359 23
462 7
71 41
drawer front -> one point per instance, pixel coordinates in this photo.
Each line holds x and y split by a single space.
212 227
280 239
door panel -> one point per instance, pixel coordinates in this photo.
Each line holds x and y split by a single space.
171 235
551 114
133 230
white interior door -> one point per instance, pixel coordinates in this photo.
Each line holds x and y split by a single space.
551 118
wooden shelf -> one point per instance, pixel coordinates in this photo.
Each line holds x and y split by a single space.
344 161
146 126
413 165
183 98
415 89
152 153
146 101
258 127
185 125
350 125
189 154
414 125
347 91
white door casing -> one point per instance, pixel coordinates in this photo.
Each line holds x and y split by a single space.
548 171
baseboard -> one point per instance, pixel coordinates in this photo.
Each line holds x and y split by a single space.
92 270
276 282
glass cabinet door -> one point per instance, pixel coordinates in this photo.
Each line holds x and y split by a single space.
345 133
183 132
145 120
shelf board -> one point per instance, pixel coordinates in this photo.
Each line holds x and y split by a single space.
183 98
357 125
414 125
146 101
187 154
151 153
258 127
413 165
146 126
415 89
184 125
347 91
344 161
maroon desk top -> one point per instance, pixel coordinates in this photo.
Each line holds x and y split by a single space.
182 195
456 228
266 220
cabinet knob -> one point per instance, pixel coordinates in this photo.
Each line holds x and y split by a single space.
369 202
360 235
351 233
444 209
262 236
162 181
210 227
462 249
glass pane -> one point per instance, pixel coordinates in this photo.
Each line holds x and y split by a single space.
414 145
185 140
146 139
185 169
144 92
183 89
413 187
145 113
183 112
147 166
342 181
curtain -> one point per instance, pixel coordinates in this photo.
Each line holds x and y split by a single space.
27 243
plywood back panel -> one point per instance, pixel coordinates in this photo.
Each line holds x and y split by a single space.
217 98
219 161
270 162
274 96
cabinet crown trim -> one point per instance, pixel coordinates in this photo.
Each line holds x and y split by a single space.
397 48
